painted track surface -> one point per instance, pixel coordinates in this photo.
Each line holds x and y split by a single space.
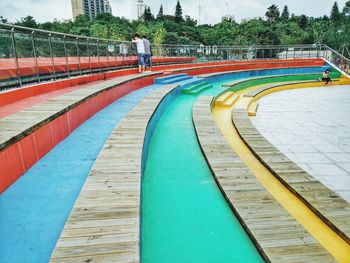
178 194
34 209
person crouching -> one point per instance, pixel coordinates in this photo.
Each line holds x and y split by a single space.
326 77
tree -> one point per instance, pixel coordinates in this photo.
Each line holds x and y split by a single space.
303 21
3 19
160 13
27 21
158 39
147 16
272 13
346 9
285 13
99 31
178 12
335 14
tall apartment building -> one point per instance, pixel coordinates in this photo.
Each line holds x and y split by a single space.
140 8
90 8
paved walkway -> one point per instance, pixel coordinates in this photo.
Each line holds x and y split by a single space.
311 127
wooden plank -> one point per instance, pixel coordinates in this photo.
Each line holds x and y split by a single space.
277 235
104 225
328 205
19 125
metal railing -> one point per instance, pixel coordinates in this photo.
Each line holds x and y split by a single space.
31 55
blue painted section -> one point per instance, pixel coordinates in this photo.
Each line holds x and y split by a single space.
35 208
264 72
172 79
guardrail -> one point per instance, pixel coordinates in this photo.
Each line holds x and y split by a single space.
30 55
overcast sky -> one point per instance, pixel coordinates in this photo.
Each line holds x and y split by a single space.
211 11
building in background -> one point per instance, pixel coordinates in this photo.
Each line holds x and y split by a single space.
91 8
229 18
107 7
140 9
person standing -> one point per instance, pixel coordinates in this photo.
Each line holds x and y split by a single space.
140 52
148 54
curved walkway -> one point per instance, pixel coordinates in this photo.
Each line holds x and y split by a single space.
260 213
104 223
308 189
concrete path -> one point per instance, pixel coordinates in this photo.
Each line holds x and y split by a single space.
311 127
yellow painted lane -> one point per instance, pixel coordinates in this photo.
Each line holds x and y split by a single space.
332 242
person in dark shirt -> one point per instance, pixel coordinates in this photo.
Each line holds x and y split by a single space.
326 76
148 54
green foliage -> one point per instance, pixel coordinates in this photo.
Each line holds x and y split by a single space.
285 13
176 29
27 21
160 13
3 19
346 9
335 13
178 12
148 16
272 14
99 31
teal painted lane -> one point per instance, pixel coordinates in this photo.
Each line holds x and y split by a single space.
185 218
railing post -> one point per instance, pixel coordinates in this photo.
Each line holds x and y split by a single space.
66 55
52 58
35 57
115 56
107 53
98 56
89 53
14 47
78 55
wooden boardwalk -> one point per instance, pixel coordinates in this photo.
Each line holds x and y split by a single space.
104 225
278 236
325 203
17 126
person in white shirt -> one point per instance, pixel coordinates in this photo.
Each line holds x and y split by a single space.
140 46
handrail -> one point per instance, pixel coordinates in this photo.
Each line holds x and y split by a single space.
33 30
33 55
336 53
